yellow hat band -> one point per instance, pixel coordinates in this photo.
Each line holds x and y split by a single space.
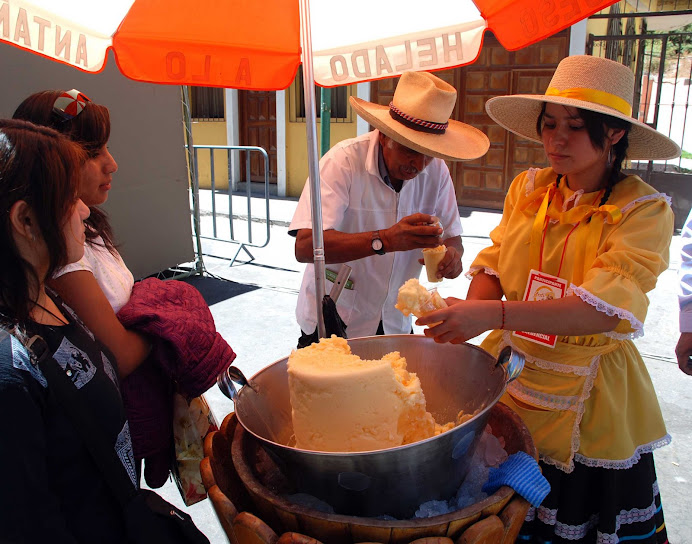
592 95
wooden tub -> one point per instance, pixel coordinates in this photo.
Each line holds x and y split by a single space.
245 488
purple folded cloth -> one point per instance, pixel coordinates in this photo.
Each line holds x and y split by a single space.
187 352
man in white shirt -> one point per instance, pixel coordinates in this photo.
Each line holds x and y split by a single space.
382 195
683 350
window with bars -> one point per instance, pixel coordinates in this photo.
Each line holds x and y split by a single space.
207 103
340 112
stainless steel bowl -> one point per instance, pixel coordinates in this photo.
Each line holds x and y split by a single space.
393 481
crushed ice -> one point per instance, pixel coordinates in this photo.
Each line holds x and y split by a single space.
489 452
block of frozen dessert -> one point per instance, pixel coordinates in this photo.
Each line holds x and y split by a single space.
415 299
343 403
432 256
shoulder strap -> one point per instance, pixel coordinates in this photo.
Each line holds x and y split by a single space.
91 432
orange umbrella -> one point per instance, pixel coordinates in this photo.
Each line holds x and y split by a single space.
256 45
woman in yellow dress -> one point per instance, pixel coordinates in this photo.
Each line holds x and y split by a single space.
565 282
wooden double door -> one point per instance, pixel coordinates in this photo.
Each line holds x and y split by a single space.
484 182
257 126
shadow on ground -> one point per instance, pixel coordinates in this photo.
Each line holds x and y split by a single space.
216 290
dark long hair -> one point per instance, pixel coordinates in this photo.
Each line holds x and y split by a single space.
42 168
596 125
91 129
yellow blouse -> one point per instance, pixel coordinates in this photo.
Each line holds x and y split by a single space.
590 398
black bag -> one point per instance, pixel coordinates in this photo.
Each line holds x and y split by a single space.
148 517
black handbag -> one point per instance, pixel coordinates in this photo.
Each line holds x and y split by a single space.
148 517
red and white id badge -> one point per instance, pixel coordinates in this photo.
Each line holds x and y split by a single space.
542 286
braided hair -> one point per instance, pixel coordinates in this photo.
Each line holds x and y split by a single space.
596 126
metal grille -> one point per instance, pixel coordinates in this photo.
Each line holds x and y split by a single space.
340 112
206 103
662 64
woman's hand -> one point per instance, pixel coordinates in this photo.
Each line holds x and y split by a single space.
683 351
462 320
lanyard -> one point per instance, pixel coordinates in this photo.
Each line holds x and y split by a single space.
540 227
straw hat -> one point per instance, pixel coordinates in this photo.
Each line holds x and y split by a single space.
418 118
589 83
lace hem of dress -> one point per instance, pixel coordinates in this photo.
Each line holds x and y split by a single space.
475 269
611 310
624 463
646 198
551 402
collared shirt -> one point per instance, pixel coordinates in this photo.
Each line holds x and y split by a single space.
382 168
355 198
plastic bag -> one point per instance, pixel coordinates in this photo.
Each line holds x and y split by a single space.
191 422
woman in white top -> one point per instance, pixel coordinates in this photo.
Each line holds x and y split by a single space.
99 284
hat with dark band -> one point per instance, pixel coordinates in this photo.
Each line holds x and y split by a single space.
419 118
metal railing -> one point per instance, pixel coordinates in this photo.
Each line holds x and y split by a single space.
662 86
233 153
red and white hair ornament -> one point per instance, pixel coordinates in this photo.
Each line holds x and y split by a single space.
70 104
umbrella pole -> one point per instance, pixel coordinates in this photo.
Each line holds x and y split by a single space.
313 164
194 181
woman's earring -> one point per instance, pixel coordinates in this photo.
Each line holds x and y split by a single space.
610 157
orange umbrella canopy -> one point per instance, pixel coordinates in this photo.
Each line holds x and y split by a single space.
255 44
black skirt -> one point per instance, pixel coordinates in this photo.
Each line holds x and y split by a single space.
599 505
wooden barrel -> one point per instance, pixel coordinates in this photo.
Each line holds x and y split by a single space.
247 481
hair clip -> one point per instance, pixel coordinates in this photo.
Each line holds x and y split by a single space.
70 104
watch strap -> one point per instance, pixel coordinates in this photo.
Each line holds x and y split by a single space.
376 236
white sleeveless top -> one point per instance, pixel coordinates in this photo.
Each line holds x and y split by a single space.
114 278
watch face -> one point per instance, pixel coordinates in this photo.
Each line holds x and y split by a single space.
377 244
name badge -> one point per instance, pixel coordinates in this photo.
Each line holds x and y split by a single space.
542 286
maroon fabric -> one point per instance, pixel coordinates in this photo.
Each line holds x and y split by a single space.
186 351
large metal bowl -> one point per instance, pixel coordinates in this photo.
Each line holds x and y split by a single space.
392 481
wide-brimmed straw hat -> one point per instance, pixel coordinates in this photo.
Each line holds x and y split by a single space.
589 83
418 118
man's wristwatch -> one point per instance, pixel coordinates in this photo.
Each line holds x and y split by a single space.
376 243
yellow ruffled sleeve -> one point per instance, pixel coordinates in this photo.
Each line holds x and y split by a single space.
488 259
632 255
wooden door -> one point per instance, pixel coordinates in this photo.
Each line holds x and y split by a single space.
484 182
257 113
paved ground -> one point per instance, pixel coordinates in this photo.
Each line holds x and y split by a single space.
260 326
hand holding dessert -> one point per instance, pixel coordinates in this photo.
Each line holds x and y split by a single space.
432 257
462 320
416 231
448 266
415 299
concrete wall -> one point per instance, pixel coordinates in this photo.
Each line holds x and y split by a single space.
149 204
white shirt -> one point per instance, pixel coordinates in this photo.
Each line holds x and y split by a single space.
109 270
356 199
685 277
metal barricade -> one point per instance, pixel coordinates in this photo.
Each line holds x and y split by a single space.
233 156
